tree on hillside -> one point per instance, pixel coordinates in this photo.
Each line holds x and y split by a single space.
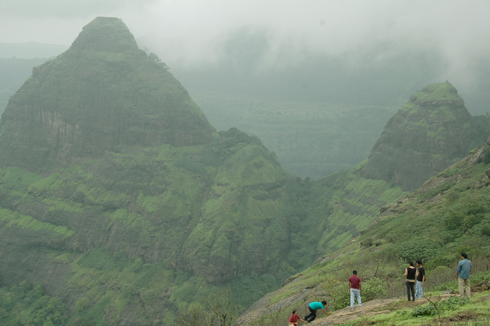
218 311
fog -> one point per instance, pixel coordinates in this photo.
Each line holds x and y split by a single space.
277 35
239 59
199 27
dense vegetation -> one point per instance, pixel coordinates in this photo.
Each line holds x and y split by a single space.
429 133
448 215
210 207
118 199
25 304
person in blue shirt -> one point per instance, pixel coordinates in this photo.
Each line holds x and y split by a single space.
313 307
463 276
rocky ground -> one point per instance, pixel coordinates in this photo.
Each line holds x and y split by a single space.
368 309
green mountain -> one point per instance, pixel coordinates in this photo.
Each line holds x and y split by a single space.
101 94
427 135
121 205
119 201
448 215
424 137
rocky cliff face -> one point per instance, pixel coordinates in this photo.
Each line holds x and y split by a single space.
450 210
101 94
425 136
141 209
153 211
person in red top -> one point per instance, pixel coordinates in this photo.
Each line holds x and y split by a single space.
355 289
293 320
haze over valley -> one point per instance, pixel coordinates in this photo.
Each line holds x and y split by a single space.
317 89
188 163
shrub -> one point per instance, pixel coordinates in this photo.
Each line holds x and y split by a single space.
373 289
453 303
452 197
425 310
453 219
486 157
485 230
340 297
367 243
417 248
471 220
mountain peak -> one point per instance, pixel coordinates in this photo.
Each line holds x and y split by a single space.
436 95
105 34
100 95
424 137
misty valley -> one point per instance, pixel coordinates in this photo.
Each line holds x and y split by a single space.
135 194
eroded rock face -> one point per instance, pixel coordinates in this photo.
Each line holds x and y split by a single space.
426 136
100 94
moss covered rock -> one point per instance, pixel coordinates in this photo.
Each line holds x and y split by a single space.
101 94
427 135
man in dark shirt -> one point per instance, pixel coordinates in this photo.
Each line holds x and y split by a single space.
419 290
355 289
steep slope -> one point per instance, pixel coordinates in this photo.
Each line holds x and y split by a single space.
119 199
448 215
165 222
427 135
100 94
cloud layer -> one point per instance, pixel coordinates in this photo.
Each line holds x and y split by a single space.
273 34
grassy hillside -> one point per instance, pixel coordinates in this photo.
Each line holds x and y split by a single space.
428 134
143 234
448 215
344 204
121 205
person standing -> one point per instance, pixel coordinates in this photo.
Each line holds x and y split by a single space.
410 273
419 289
355 289
293 320
313 307
463 276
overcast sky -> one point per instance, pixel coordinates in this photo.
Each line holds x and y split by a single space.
195 29
460 26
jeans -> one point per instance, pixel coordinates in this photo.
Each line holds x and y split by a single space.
410 288
353 293
464 286
311 317
419 290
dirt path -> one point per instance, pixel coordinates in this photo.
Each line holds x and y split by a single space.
369 309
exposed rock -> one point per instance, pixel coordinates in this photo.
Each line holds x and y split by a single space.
134 179
426 136
100 94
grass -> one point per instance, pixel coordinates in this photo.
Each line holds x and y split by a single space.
435 223
475 308
160 211
15 219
